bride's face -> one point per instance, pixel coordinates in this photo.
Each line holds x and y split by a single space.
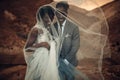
46 20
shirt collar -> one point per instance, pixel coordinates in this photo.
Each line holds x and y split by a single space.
63 24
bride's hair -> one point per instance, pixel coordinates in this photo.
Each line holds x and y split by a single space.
46 9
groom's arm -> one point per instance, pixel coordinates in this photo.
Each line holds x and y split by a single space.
75 44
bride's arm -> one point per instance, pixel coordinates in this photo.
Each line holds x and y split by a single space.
30 44
42 44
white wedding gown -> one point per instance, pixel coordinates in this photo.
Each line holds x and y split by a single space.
42 64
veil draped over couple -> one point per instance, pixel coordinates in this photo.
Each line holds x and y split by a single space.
61 40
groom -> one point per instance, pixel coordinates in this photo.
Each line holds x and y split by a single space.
71 41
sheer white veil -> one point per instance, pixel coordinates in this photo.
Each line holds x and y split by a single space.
93 35
48 68
39 24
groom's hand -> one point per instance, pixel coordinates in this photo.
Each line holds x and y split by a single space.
66 62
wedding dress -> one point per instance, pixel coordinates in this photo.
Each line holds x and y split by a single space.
41 64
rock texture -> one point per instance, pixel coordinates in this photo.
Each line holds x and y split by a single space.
111 66
16 19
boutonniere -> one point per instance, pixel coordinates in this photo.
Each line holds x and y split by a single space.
67 35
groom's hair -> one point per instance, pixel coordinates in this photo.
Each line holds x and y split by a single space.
46 9
63 4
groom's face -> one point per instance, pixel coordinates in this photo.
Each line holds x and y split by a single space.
61 14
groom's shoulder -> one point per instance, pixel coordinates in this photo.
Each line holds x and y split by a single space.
72 24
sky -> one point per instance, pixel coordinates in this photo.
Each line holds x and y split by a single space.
87 4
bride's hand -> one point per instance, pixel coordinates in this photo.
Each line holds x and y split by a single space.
29 50
46 45
42 44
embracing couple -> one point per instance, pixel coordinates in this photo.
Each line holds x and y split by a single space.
51 47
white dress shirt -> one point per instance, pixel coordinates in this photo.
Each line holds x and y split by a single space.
63 26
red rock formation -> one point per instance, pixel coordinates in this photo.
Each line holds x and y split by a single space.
111 66
17 18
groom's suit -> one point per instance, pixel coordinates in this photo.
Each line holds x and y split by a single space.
71 42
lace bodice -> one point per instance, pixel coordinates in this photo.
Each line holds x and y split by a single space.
44 37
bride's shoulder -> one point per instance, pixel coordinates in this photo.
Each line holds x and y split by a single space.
36 30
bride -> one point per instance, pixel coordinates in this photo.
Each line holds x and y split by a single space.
41 48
